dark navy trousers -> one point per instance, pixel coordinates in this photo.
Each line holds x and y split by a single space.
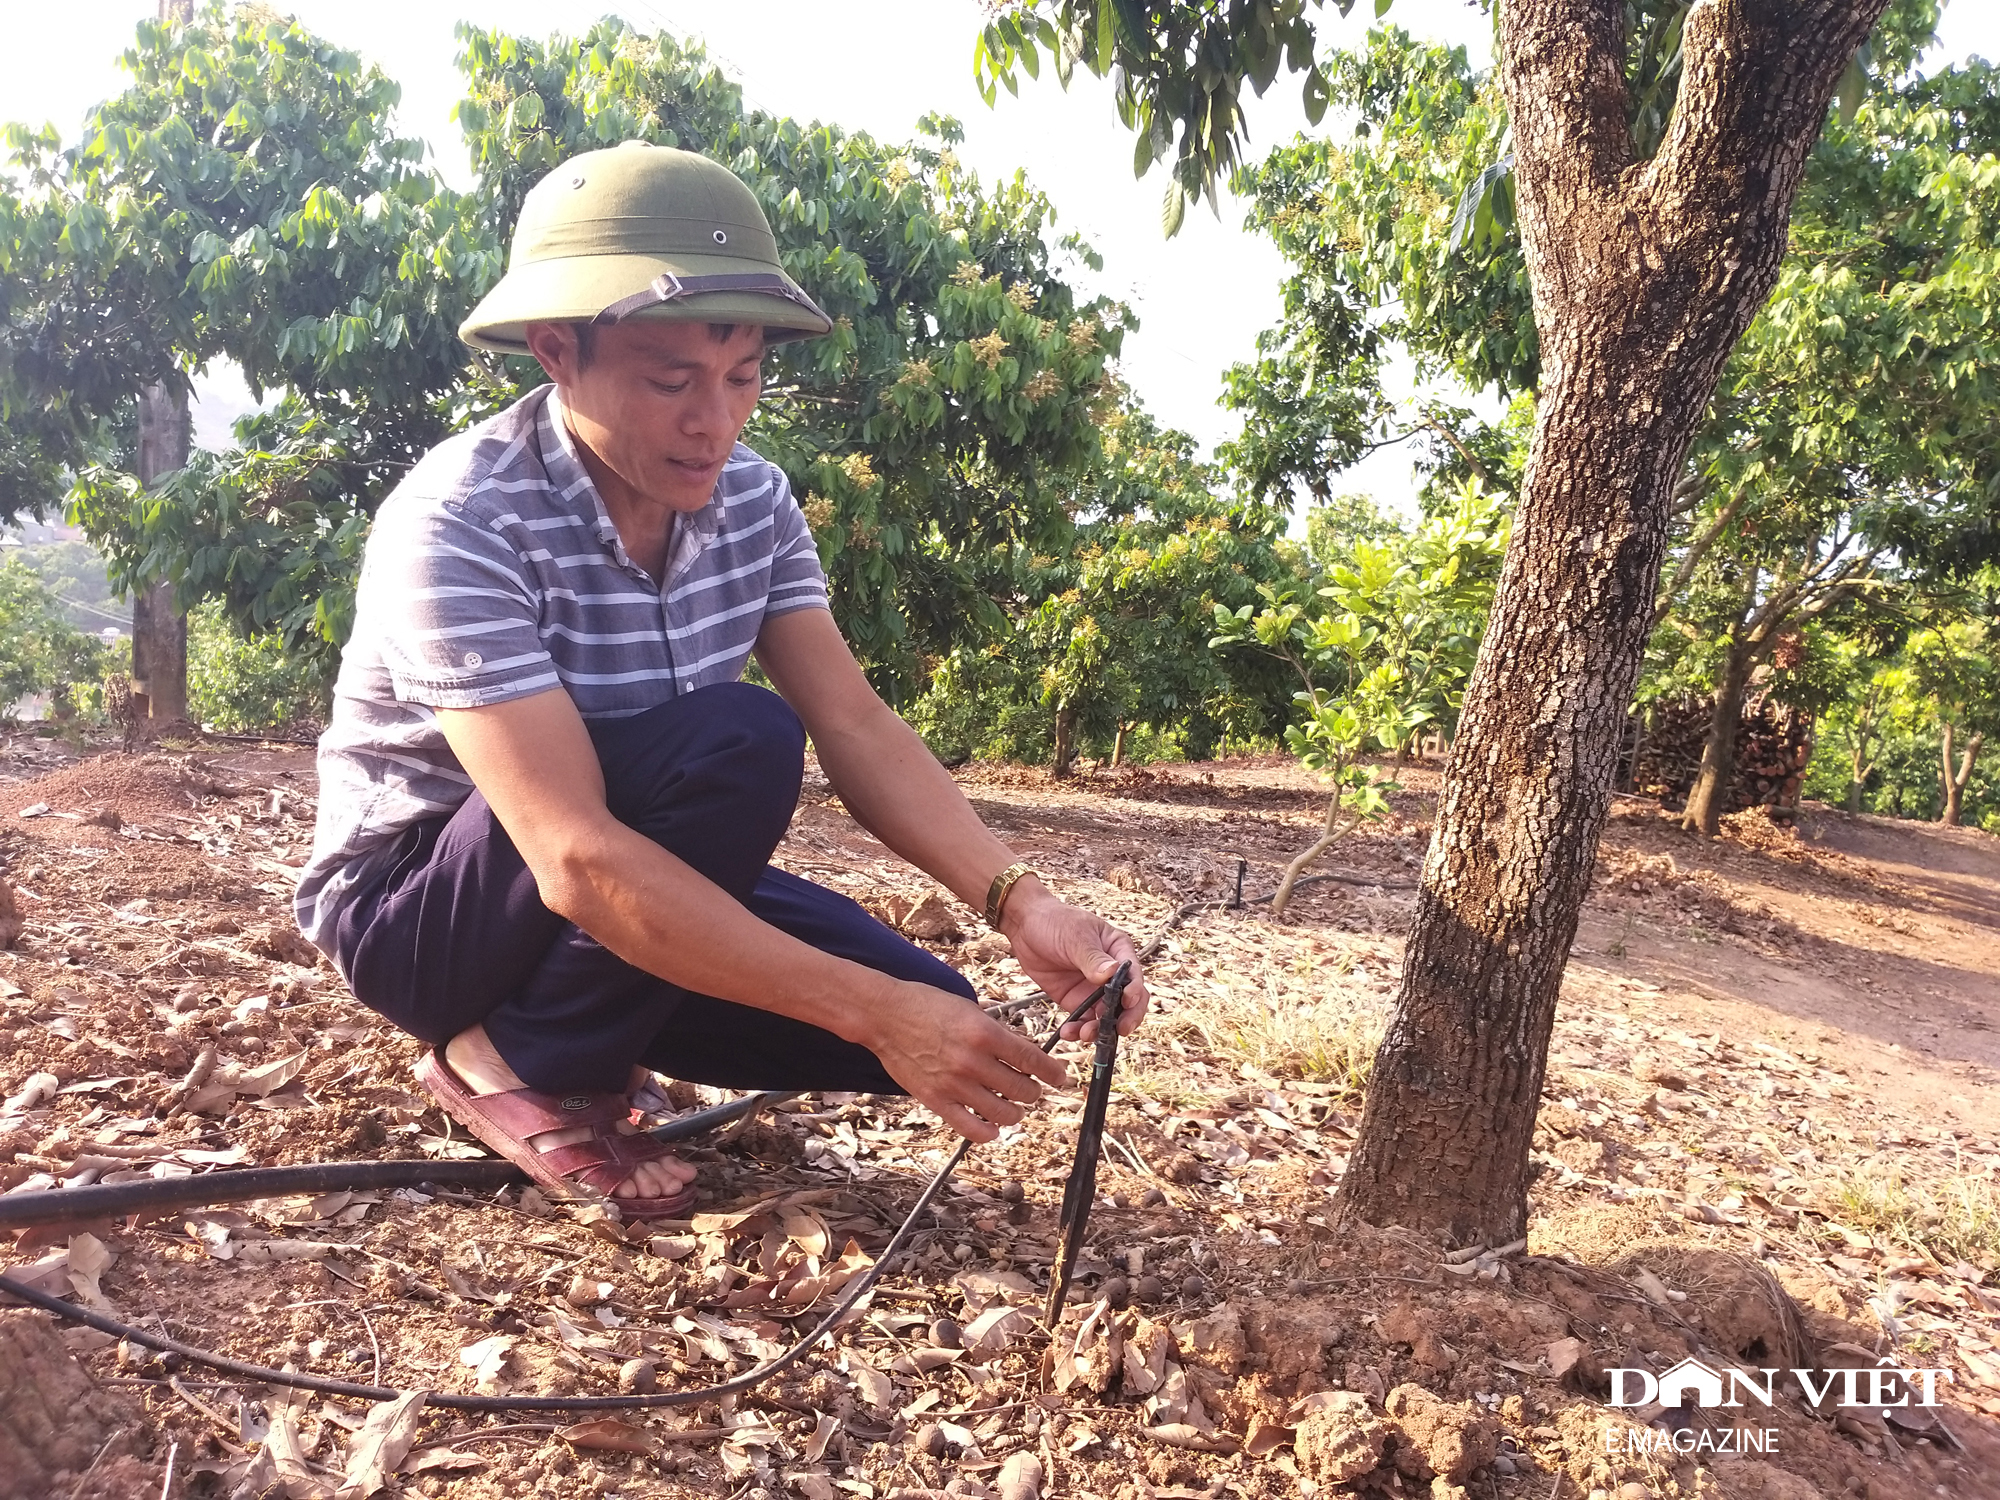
455 933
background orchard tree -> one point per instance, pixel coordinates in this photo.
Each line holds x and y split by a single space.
245 198
1106 642
1652 204
1381 639
1955 667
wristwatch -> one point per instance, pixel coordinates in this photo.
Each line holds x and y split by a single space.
1003 883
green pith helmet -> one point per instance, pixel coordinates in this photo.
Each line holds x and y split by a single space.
641 231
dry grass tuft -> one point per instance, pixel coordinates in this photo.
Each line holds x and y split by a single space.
1953 1219
1315 1030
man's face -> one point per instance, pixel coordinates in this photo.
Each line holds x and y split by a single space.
658 404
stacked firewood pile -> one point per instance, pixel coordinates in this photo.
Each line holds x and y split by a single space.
1664 740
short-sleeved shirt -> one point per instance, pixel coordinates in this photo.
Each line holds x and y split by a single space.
493 572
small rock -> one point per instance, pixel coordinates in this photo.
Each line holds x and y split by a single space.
1194 1288
930 1439
1152 1198
961 1252
1505 1466
1012 1191
947 1334
636 1377
1117 1291
1147 1290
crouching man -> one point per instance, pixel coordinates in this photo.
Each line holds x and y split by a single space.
547 803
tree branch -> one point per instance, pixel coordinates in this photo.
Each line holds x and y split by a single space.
1478 469
1697 549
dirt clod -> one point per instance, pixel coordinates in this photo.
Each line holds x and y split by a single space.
1342 1440
1454 1439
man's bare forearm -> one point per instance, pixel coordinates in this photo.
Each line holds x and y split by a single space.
658 914
896 789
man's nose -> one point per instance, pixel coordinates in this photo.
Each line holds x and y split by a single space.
706 412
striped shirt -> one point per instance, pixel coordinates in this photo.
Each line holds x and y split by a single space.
493 572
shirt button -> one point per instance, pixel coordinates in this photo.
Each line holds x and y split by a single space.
474 660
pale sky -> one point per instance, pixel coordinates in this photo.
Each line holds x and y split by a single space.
1201 298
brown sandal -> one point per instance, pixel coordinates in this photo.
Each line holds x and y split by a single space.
508 1122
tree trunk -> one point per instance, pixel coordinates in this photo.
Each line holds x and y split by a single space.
1644 275
1718 756
1329 834
1118 746
159 629
1954 781
1065 739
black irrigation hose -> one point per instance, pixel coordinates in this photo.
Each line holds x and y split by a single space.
99 1202
856 1290
78 1204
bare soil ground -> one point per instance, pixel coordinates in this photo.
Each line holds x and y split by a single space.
1769 1139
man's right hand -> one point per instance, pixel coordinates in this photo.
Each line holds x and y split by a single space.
950 1055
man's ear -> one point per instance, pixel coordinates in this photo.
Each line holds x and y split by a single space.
554 348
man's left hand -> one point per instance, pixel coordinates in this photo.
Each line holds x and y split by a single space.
1069 952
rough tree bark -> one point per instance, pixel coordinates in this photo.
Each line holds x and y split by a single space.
1645 274
159 629
1954 781
1065 756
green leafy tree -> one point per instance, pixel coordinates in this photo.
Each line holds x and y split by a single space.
246 198
1382 650
1955 667
248 684
1107 637
1650 178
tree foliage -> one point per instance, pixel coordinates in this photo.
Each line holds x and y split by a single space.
244 198
40 651
1107 637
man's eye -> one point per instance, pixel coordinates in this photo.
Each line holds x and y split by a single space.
669 390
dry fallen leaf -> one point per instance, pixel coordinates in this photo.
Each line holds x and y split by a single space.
823 1431
608 1435
288 1459
1266 1438
1092 1358
89 1259
1145 1362
994 1329
261 1081
873 1386
381 1445
487 1358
